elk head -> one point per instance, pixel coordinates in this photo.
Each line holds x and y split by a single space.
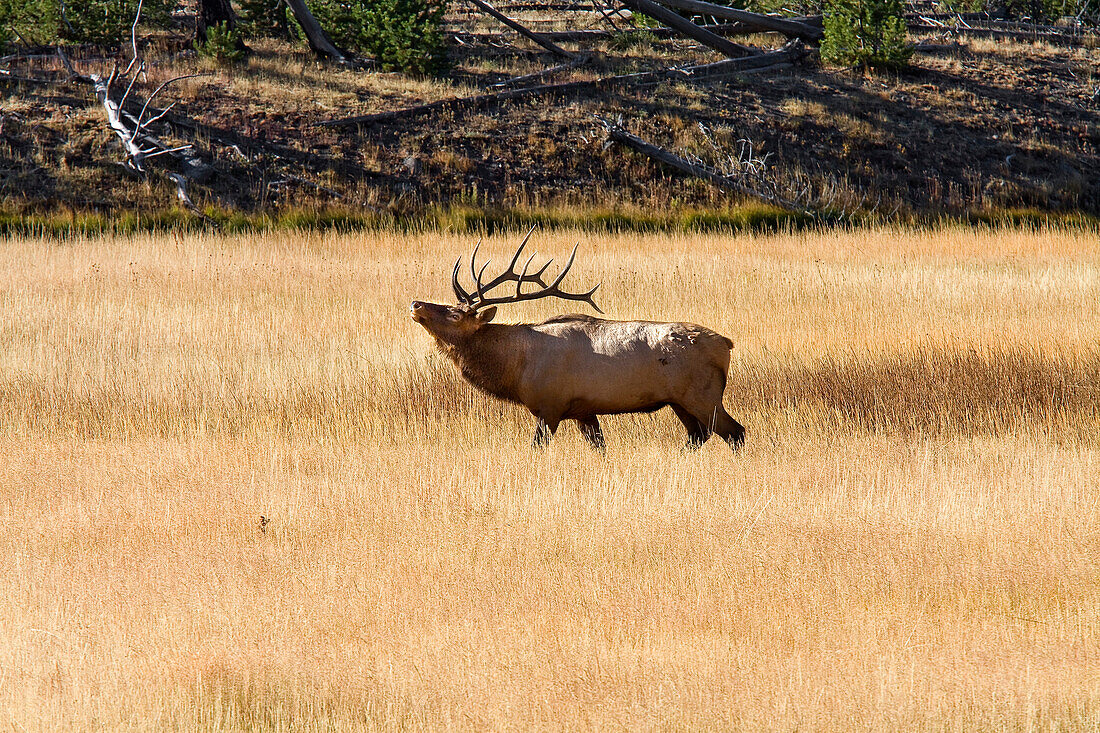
453 323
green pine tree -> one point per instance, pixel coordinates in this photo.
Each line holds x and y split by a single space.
109 22
104 22
866 33
264 18
402 35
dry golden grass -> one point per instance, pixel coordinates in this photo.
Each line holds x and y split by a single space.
908 540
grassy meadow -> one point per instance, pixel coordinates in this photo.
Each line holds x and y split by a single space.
909 539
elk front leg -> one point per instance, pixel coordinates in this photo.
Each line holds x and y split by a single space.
590 429
544 430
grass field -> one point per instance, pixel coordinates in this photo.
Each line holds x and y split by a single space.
909 539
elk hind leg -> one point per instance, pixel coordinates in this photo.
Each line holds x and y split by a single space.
731 431
590 429
698 432
715 419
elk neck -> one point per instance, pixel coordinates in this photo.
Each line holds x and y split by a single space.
492 358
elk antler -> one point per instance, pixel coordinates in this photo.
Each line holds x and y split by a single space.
478 299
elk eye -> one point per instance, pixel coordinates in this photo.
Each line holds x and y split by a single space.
455 316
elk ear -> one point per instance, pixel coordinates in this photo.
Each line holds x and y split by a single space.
487 315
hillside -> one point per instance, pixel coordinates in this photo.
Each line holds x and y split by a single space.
973 126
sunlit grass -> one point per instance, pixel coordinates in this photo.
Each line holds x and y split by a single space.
907 540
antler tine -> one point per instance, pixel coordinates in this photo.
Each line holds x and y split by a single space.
537 276
519 250
473 257
565 270
462 295
551 290
587 298
477 281
582 297
510 273
519 282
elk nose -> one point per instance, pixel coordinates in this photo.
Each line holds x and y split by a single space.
416 305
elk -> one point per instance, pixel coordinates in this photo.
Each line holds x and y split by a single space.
577 367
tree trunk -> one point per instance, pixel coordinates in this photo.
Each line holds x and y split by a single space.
318 40
779 59
729 183
689 29
536 37
785 26
211 13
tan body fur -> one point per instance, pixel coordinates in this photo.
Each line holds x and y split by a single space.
579 367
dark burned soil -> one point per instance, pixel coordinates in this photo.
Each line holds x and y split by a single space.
971 126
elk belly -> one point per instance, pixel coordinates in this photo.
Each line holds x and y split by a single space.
636 379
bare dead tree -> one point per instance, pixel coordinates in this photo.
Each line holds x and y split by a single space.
749 185
689 29
139 144
788 27
522 30
781 58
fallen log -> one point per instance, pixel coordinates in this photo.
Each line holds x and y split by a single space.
592 34
520 29
541 7
246 144
789 28
519 80
689 29
981 16
781 58
650 150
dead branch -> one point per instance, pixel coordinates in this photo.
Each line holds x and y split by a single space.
518 28
782 58
593 34
730 183
689 29
789 28
607 9
132 131
184 198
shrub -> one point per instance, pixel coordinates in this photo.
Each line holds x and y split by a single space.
866 33
32 21
402 35
106 22
265 19
1038 11
222 46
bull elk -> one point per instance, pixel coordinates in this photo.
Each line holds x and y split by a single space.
576 367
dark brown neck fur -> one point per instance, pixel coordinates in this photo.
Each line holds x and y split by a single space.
491 359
